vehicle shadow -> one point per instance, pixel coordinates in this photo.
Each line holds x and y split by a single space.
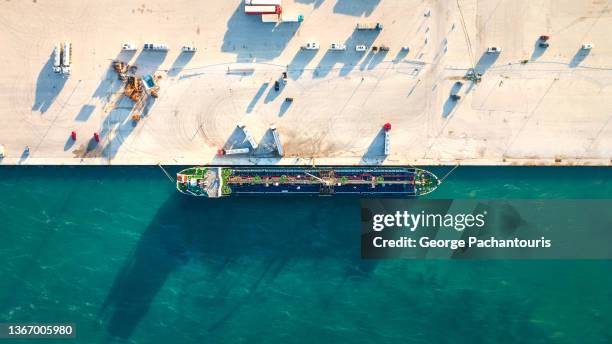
580 56
272 93
299 63
316 3
251 40
48 86
179 64
375 154
177 235
69 143
284 108
376 59
85 112
258 95
119 123
329 61
538 51
449 106
358 8
148 62
401 54
485 62
24 156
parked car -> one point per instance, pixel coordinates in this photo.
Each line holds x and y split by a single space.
455 97
544 38
155 46
189 49
384 48
361 47
587 46
543 44
277 86
128 47
493 50
337 46
311 46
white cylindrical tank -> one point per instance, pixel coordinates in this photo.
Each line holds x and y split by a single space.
57 58
66 54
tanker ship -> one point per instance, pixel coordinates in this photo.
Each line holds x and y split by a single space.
214 182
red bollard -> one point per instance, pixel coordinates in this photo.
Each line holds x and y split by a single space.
73 135
97 137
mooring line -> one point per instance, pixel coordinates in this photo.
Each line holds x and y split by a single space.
449 172
165 172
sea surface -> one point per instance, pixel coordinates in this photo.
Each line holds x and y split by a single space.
118 252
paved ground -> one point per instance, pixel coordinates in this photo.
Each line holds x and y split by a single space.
555 109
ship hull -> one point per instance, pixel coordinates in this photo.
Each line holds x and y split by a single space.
216 181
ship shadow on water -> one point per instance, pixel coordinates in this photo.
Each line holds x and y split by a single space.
220 232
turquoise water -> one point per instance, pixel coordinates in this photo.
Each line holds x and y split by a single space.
118 252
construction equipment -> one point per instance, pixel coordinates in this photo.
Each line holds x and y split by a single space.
133 88
471 75
121 68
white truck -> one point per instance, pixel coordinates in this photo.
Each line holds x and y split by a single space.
387 143
262 2
267 9
66 58
236 151
369 26
57 58
387 129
